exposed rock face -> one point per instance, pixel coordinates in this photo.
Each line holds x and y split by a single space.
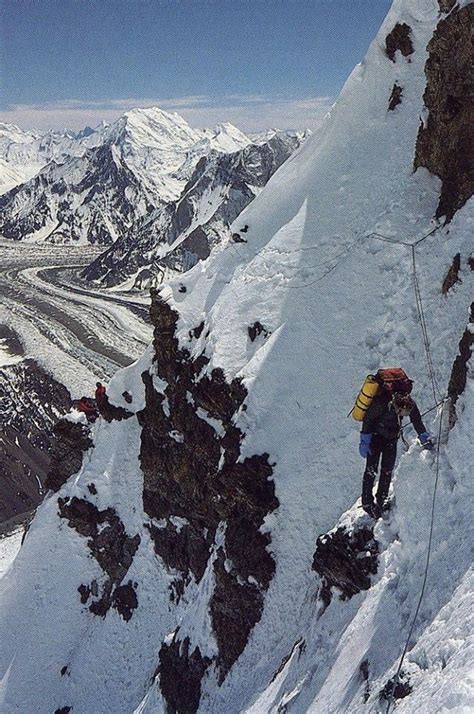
113 549
395 97
257 329
445 144
458 379
110 412
446 5
345 559
452 276
70 443
30 403
181 673
194 483
397 688
399 39
236 607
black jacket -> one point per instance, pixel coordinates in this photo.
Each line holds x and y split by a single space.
381 418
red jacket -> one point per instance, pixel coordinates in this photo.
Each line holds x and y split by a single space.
100 393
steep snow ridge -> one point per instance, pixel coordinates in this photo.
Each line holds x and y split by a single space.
337 304
9 547
75 635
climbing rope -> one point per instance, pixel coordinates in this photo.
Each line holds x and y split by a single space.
424 328
441 402
418 301
427 411
427 564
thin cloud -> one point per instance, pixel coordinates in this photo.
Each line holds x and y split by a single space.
248 112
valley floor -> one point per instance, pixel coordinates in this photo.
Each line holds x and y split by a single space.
56 339
78 335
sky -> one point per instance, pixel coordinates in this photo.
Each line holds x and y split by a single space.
256 63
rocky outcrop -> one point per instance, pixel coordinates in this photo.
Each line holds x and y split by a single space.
445 143
446 5
196 484
395 97
67 450
111 547
31 402
257 329
345 559
452 276
399 40
110 412
397 687
181 672
458 378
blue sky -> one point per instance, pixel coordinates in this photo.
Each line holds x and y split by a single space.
256 63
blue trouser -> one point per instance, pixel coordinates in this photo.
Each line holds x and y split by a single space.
385 450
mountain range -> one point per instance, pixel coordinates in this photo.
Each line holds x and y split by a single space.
143 184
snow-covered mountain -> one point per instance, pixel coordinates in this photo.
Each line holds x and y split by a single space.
209 555
92 198
19 155
24 153
99 183
174 238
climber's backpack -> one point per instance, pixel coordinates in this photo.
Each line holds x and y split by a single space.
394 380
391 380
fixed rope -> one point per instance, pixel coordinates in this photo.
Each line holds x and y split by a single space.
427 566
437 396
442 400
424 328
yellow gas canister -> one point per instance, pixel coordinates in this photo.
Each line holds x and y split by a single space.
364 398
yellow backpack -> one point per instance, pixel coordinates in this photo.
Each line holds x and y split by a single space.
364 398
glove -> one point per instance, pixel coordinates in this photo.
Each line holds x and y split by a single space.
364 445
426 441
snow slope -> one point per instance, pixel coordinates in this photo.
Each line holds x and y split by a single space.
9 547
338 303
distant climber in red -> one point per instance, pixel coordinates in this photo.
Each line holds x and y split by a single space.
99 393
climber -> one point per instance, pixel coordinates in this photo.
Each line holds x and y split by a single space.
381 428
99 393
88 407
